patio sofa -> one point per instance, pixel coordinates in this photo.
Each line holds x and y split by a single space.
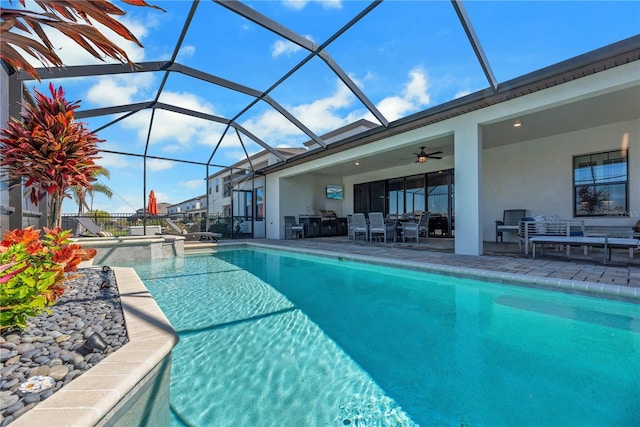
605 242
540 226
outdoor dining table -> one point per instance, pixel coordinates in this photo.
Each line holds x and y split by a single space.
398 220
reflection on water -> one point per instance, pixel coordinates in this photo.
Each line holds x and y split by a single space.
271 339
248 357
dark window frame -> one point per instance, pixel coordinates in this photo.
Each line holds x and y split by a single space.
594 199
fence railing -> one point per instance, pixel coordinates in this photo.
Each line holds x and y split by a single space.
119 224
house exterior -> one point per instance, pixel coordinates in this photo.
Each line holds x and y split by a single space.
533 144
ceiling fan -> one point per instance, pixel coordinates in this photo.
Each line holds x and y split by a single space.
422 156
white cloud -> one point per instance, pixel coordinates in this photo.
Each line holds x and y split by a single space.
109 92
114 161
300 4
461 93
321 115
155 165
295 4
270 126
192 184
161 197
172 131
394 107
416 89
186 51
331 4
414 96
284 47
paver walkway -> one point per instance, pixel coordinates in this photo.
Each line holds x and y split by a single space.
501 257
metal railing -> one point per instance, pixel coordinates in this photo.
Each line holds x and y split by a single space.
119 224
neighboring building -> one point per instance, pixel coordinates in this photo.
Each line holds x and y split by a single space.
231 191
189 210
162 211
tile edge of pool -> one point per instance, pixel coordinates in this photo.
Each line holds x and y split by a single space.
575 287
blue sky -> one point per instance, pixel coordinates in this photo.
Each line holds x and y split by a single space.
406 56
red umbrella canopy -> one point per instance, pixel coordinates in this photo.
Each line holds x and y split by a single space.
152 206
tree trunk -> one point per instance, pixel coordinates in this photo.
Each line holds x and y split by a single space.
55 210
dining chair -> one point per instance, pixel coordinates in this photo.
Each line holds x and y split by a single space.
377 226
359 226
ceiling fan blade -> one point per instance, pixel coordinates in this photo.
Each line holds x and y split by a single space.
434 153
435 157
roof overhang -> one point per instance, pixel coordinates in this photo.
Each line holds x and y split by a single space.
608 57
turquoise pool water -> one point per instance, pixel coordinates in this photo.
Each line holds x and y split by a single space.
277 339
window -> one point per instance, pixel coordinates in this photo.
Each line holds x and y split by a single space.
217 185
600 184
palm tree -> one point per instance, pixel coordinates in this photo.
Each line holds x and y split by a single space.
80 193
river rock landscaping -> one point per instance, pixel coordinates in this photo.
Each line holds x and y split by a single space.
84 326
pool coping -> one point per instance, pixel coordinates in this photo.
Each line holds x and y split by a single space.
576 287
97 396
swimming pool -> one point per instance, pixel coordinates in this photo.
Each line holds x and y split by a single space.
274 338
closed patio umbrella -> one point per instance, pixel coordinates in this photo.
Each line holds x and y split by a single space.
152 206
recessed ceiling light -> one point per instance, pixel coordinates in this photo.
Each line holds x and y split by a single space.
357 162
517 124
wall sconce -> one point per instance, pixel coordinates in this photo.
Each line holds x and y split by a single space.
357 163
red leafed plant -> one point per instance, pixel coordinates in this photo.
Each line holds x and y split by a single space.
33 271
50 150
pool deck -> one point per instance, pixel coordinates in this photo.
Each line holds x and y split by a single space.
503 262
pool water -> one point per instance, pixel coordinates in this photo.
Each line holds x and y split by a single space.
273 338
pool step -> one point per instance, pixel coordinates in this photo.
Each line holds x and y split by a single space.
191 248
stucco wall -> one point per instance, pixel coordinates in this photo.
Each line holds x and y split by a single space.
537 175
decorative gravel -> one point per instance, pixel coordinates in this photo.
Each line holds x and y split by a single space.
84 326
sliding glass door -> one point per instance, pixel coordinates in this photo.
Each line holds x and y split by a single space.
414 193
433 192
440 203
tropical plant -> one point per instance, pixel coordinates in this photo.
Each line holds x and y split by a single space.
33 271
100 216
80 193
73 19
51 150
590 197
